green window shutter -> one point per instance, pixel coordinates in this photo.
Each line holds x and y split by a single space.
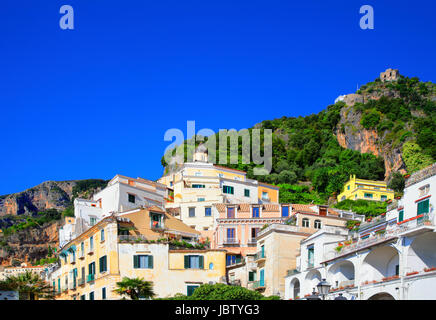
426 206
187 262
201 262
150 262
401 216
135 262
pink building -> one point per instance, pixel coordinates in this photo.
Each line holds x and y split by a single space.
237 226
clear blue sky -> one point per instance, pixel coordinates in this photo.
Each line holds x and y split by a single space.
96 101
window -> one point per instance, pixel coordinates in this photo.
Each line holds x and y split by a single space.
285 211
368 195
91 244
102 235
317 224
194 262
423 207
310 255
228 190
208 212
397 270
262 278
92 221
232 259
246 192
190 289
82 297
254 232
230 212
251 276
237 178
143 262
306 223
103 264
383 198
265 195
171 183
401 215
200 199
211 266
91 295
348 187
198 186
198 174
424 190
91 268
230 234
205 228
103 293
255 212
131 198
192 212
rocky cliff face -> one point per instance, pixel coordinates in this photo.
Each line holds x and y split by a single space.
47 195
351 135
30 245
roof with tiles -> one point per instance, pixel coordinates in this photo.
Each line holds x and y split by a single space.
271 207
333 212
302 208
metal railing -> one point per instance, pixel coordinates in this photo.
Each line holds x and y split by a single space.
292 272
131 238
81 281
252 241
231 241
259 255
259 284
90 277
72 285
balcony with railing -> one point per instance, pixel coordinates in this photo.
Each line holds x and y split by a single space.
131 238
90 277
252 241
231 241
292 272
407 227
81 281
258 285
259 256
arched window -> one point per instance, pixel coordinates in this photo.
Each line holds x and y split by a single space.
317 224
306 223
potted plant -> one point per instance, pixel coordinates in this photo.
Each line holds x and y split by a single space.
412 273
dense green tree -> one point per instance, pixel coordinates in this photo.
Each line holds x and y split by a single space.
135 288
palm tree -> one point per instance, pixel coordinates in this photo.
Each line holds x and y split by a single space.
135 288
29 285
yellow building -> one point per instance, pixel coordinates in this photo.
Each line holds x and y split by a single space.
134 244
356 189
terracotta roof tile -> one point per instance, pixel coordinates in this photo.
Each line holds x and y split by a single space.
302 208
333 212
221 207
244 207
270 207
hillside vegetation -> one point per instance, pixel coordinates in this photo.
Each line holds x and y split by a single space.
310 165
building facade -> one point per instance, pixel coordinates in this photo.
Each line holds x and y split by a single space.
391 257
135 243
196 186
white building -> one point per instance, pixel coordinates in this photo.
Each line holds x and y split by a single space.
392 257
121 194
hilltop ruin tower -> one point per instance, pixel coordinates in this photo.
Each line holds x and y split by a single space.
389 75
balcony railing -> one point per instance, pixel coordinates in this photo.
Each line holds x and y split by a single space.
81 281
252 241
414 223
231 241
259 284
292 272
259 255
90 278
81 255
131 238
